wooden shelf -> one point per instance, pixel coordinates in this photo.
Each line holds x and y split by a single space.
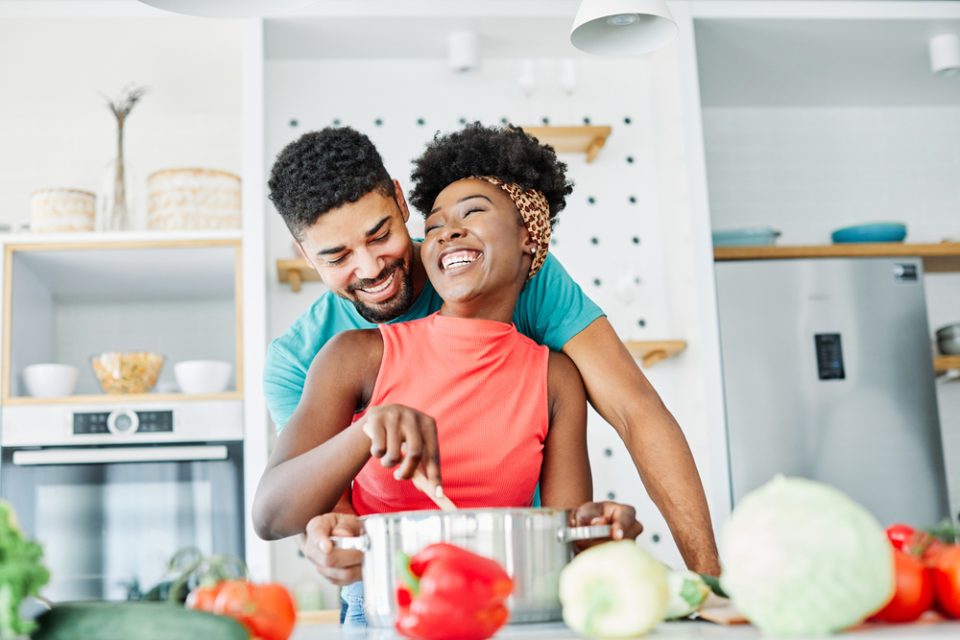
941 257
588 139
650 352
943 364
296 271
130 398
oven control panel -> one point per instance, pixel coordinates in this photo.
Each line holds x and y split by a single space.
122 422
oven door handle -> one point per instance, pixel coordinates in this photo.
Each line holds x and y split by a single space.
107 455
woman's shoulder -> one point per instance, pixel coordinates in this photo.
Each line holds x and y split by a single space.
353 339
360 348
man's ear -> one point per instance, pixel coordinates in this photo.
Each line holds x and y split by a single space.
303 254
401 201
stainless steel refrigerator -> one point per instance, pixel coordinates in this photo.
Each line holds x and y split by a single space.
828 375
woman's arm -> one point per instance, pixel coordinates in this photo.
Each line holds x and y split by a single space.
565 481
319 452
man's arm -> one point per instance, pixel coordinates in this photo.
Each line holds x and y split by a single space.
620 392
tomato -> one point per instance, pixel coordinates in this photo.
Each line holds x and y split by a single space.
203 598
900 535
903 537
267 610
946 580
914 590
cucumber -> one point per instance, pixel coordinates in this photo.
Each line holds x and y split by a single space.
134 621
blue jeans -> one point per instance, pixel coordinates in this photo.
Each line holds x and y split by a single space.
351 605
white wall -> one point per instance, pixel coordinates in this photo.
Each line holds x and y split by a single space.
55 128
644 286
808 171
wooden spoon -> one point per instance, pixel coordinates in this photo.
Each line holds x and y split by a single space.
420 482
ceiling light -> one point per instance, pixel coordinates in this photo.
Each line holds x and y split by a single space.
622 27
945 54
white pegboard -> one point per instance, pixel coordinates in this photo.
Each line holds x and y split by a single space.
624 235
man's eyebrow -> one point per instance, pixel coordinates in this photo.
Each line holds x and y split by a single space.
464 199
372 231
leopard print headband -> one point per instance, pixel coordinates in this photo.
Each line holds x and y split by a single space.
535 213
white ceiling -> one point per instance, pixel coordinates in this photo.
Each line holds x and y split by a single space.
417 36
806 62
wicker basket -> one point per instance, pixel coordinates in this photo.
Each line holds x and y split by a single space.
63 210
193 199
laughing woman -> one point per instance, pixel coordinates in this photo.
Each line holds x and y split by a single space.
505 413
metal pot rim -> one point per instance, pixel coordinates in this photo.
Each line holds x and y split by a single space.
431 513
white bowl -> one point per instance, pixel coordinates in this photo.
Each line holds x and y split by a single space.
50 380
202 376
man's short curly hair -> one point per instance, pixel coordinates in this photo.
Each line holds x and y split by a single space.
323 170
507 153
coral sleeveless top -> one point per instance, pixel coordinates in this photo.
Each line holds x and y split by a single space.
485 384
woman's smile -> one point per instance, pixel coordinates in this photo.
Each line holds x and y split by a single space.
456 260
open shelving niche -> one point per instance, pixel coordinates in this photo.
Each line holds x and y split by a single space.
69 298
942 257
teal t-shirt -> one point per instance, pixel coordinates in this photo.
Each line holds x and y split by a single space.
551 309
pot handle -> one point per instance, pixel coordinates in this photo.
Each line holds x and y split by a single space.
570 534
355 543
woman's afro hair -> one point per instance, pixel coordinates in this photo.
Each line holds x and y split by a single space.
506 153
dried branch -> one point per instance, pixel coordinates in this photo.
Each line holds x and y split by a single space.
122 107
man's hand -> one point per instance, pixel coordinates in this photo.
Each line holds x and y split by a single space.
339 566
404 436
622 519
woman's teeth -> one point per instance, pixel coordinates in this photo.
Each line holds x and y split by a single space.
458 259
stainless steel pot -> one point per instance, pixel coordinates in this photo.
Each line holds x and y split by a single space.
533 545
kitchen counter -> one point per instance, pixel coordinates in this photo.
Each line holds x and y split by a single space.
674 630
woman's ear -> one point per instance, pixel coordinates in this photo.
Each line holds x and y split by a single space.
529 246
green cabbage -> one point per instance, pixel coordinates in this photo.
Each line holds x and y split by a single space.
801 559
614 590
687 593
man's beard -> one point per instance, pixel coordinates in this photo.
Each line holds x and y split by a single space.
393 308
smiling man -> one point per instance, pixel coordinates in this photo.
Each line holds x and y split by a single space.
348 217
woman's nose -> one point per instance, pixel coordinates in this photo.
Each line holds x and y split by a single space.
451 232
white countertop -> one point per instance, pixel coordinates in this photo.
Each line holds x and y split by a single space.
674 630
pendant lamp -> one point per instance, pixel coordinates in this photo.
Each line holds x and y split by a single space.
622 27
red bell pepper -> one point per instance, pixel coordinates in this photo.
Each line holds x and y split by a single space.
449 593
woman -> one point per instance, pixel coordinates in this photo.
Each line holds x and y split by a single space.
506 413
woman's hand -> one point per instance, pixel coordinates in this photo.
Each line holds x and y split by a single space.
339 566
403 436
622 519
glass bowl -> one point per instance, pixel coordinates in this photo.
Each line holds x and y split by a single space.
127 372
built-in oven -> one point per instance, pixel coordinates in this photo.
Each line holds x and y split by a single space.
112 493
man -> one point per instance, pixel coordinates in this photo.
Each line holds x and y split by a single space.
348 217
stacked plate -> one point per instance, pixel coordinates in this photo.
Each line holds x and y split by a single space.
749 237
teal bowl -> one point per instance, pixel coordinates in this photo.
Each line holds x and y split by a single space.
875 232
